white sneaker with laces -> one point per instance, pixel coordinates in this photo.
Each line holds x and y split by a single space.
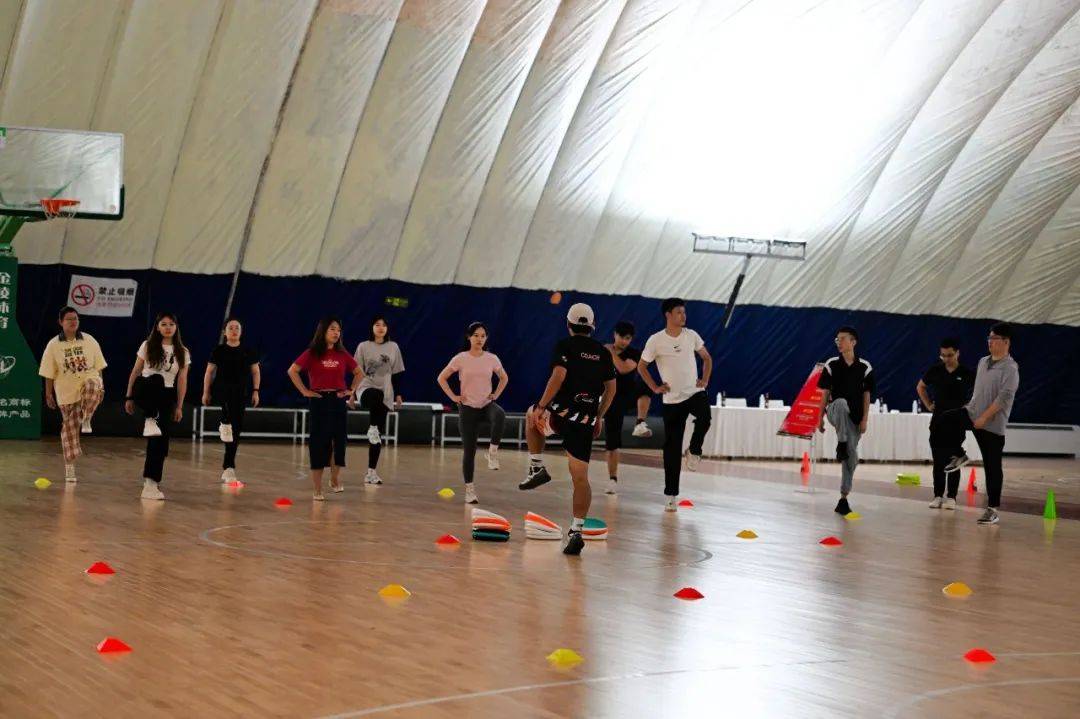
151 428
672 504
612 487
318 497
86 428
470 495
372 477
692 461
337 488
225 432
990 516
492 458
373 436
69 473
936 503
641 429
228 475
151 490
950 504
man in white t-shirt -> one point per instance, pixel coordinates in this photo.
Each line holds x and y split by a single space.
674 349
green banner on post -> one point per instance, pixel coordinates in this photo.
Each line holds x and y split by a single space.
20 387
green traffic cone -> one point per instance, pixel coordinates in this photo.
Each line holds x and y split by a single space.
1050 511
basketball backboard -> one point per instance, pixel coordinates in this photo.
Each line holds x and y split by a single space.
38 164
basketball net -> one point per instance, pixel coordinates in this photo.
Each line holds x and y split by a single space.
55 207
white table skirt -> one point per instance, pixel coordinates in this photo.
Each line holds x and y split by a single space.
751 432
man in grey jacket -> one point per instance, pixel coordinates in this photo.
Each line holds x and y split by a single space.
996 381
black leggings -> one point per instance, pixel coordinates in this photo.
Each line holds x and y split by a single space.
371 399
233 400
327 432
157 402
675 416
470 418
943 447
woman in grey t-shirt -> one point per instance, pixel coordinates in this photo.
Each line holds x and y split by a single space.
380 359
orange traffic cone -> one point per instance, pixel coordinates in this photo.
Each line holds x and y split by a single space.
971 481
805 470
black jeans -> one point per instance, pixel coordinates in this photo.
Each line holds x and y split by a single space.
470 418
943 447
158 402
372 400
327 432
233 399
675 416
953 425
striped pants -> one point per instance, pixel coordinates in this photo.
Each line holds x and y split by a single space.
74 414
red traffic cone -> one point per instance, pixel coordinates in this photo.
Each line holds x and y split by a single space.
980 656
805 469
283 502
112 645
689 593
971 481
100 568
831 542
448 539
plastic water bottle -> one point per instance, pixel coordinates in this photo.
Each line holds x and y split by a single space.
915 407
761 401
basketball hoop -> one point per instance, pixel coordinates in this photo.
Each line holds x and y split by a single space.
54 207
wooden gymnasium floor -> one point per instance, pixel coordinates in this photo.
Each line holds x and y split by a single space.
236 608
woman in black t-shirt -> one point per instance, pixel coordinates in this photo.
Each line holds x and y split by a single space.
227 372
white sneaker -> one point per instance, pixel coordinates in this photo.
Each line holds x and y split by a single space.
936 503
470 495
692 461
151 428
151 490
86 428
69 473
337 488
229 475
372 477
990 516
950 504
492 459
641 429
318 497
225 432
672 504
612 486
373 436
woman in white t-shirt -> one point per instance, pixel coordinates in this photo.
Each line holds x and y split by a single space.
157 385
476 402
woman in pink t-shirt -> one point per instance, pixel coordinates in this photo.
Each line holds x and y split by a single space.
327 364
476 401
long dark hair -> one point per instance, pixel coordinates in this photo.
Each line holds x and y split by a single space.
471 329
371 330
155 354
318 340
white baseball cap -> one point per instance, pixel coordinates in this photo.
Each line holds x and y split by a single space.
581 314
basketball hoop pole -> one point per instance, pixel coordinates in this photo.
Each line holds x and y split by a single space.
749 249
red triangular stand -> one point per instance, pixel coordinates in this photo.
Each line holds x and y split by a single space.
283 502
689 593
971 481
112 645
831 542
100 568
686 503
980 656
448 539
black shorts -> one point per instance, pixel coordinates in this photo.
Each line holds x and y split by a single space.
642 390
576 438
613 424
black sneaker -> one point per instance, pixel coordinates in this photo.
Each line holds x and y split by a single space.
957 463
574 543
841 451
842 507
535 477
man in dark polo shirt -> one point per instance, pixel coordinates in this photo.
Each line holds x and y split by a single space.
946 386
848 381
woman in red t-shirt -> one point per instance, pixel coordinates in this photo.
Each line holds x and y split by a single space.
326 363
